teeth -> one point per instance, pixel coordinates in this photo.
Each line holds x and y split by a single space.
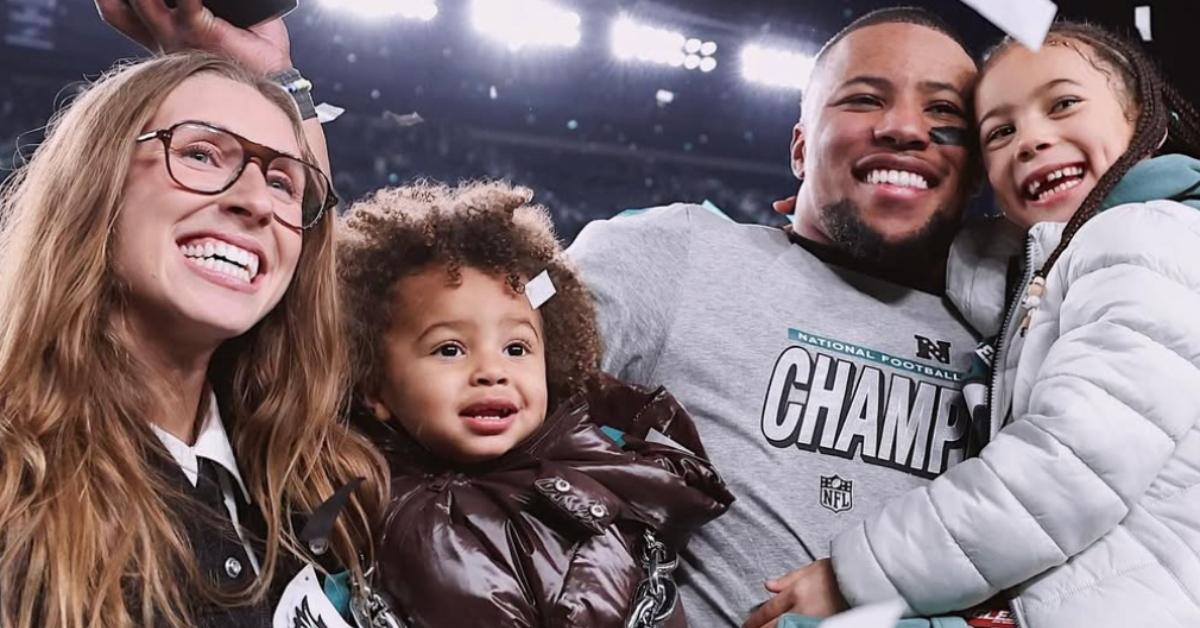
1065 185
897 177
226 268
1069 171
486 417
241 264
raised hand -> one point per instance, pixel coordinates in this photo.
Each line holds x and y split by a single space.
152 24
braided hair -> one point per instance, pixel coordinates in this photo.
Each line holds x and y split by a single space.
1166 122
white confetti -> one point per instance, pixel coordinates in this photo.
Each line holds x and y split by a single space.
328 113
1141 19
539 290
1027 21
405 120
655 436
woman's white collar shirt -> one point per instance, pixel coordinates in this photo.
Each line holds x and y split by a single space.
212 443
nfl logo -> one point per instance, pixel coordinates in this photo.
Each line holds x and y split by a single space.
837 494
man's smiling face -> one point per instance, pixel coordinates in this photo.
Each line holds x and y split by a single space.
863 145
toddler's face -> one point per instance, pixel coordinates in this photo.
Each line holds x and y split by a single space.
1050 125
464 366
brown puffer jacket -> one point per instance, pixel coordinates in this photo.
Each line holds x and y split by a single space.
549 534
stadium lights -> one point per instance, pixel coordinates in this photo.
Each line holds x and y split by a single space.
633 40
776 67
423 10
521 23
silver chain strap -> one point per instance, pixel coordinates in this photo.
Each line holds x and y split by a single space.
369 609
656 594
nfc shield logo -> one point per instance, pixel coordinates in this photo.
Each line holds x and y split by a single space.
933 349
837 494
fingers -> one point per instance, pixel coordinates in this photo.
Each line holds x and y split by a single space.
156 16
785 206
777 585
188 9
768 611
121 16
189 25
194 20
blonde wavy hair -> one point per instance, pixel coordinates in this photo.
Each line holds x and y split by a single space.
88 535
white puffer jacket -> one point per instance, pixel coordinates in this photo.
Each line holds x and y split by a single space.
1085 507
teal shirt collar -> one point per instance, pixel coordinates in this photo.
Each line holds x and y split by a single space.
1172 177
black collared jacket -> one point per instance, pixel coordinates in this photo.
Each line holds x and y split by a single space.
219 552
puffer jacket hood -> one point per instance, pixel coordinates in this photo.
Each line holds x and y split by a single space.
550 533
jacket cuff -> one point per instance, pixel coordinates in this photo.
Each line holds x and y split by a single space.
860 577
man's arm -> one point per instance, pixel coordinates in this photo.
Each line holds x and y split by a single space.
264 48
634 266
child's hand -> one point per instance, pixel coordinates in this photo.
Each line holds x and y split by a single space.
264 48
810 590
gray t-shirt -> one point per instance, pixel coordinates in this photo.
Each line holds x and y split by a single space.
819 392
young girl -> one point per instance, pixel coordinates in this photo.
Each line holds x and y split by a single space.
516 499
170 362
1084 507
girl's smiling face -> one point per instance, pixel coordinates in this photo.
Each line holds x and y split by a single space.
1051 123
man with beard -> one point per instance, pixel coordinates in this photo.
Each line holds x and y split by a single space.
820 361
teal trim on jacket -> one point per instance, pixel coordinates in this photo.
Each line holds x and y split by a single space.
792 620
1172 177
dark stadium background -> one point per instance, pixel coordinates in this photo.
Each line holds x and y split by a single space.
582 128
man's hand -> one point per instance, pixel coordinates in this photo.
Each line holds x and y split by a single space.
810 590
264 48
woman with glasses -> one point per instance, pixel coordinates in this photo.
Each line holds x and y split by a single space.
170 367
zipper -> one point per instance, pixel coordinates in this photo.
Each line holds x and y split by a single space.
998 361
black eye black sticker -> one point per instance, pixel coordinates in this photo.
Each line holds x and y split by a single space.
949 135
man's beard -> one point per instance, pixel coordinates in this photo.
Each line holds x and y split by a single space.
921 252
